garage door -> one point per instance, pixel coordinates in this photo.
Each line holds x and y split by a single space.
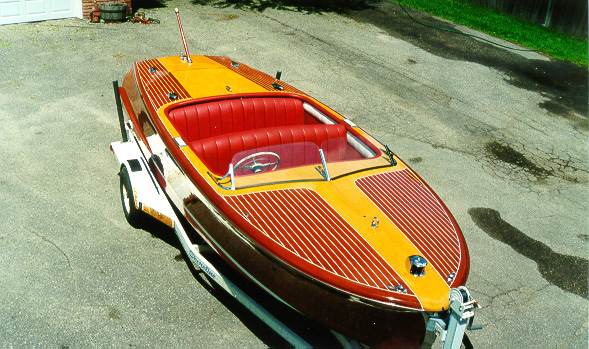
18 11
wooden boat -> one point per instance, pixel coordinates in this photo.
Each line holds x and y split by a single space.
297 198
300 200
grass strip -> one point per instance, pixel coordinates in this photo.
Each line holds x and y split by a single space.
548 41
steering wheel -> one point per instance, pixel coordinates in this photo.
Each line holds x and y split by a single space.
258 162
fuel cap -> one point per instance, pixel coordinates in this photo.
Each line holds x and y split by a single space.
417 265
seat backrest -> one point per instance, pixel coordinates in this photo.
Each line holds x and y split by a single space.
210 119
217 152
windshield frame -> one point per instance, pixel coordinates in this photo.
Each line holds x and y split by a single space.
315 171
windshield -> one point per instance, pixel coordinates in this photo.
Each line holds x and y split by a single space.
299 162
275 158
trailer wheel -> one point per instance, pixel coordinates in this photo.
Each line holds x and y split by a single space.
132 214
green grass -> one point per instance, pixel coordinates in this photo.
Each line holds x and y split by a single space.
548 41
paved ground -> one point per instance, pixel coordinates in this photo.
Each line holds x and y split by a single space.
500 135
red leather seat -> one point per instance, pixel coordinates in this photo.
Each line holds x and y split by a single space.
204 120
298 145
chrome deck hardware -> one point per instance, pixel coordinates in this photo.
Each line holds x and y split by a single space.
417 265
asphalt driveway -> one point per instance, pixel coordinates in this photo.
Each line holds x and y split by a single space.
500 135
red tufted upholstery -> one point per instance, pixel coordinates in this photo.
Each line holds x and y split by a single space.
200 121
217 152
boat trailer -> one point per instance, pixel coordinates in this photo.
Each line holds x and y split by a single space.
141 194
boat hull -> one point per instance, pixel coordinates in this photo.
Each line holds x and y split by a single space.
370 323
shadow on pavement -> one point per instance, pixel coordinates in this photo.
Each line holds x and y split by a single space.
569 273
309 6
307 329
564 84
148 4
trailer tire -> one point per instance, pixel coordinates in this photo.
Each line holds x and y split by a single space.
132 214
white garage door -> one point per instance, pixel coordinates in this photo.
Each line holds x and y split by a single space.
18 11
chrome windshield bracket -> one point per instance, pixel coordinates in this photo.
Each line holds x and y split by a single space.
231 179
323 171
389 153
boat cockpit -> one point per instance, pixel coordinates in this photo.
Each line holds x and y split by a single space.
285 138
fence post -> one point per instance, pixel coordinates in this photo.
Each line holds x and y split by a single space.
548 14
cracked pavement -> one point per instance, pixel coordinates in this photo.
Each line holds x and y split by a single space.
486 127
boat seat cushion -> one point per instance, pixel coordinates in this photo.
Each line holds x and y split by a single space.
210 119
298 145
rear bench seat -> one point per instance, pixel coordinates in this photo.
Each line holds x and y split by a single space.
210 119
217 152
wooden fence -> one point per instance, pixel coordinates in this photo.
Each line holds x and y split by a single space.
566 15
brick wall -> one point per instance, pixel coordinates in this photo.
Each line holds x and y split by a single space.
88 6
